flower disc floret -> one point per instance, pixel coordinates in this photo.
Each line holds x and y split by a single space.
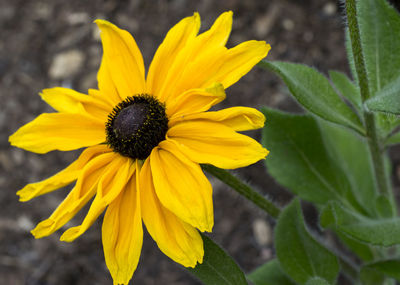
136 125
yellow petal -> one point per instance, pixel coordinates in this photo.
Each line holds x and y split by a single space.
83 191
59 131
175 238
122 60
222 65
122 233
212 62
63 177
66 100
107 89
113 181
213 143
208 41
237 62
175 40
182 186
219 32
237 118
195 100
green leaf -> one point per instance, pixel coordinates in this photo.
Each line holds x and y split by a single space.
317 281
299 160
315 93
384 232
386 100
390 268
379 25
394 139
299 254
217 268
369 276
387 123
384 207
328 219
347 88
350 151
269 273
361 249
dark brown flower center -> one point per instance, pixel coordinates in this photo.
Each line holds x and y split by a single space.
136 126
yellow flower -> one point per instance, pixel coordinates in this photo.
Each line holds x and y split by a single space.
145 139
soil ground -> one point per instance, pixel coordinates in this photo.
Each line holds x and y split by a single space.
54 43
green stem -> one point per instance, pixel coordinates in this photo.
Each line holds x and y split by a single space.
243 189
374 144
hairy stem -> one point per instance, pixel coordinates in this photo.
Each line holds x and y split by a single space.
374 143
243 189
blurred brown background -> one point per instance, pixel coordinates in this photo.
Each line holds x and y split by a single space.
54 43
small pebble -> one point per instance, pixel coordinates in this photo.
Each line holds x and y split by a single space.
25 224
288 24
66 64
262 232
78 18
329 9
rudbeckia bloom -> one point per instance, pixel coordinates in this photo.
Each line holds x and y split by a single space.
144 140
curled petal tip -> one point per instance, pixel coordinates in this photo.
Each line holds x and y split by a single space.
43 229
100 22
70 235
23 197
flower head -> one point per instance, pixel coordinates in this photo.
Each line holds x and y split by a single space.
145 139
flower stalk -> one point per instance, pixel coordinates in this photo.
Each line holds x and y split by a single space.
243 189
374 143
270 208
